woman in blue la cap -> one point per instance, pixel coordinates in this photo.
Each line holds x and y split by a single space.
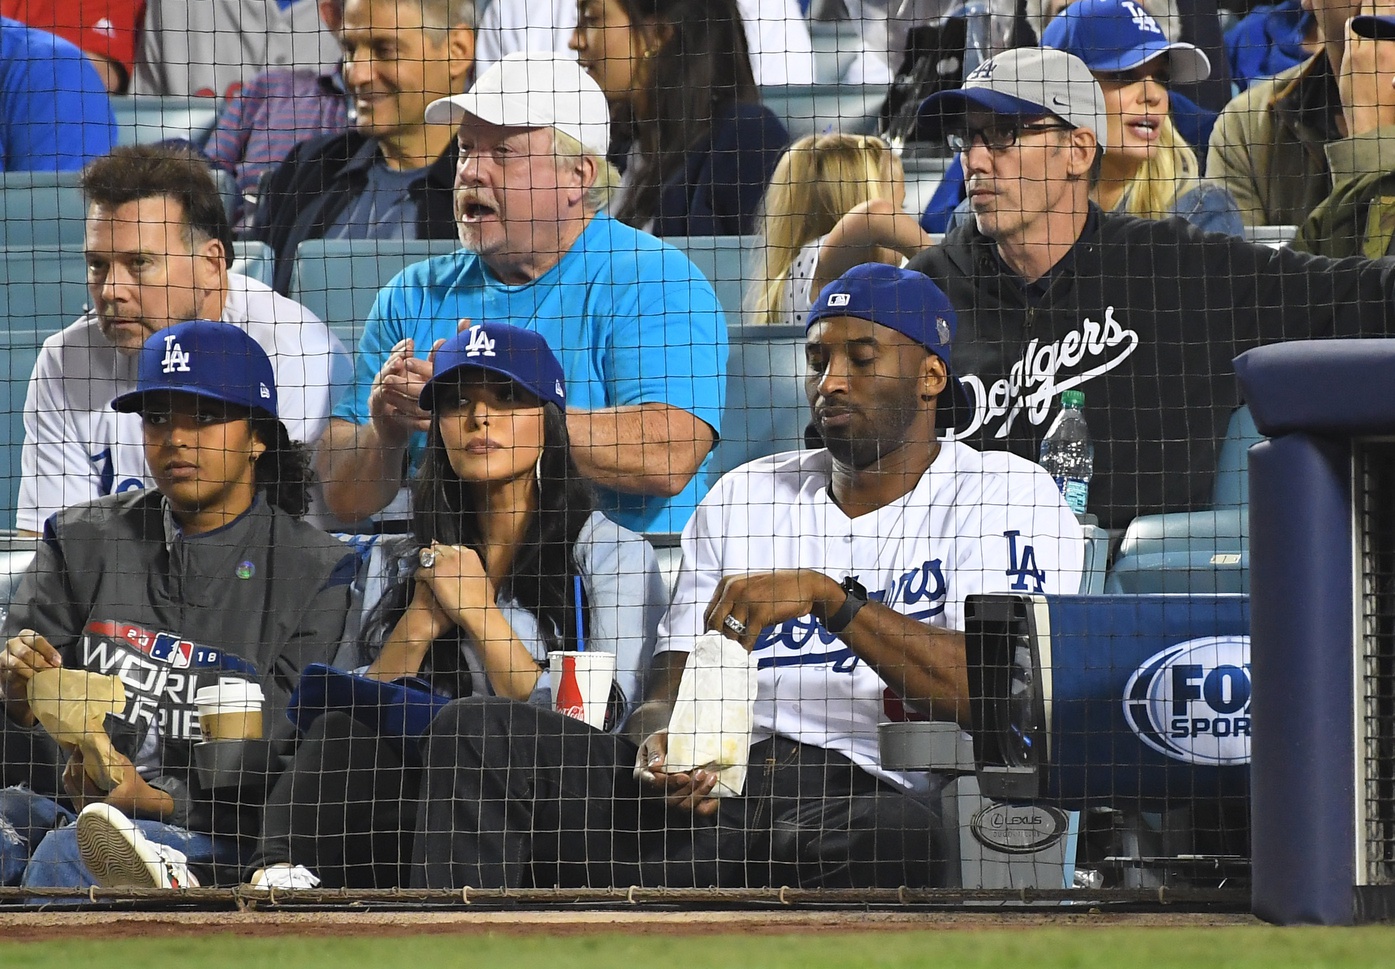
505 536
210 575
1148 170
206 373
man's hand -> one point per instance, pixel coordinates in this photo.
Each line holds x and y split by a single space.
23 656
132 797
687 792
1367 78
760 599
392 400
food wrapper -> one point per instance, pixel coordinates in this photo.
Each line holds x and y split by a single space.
72 706
711 723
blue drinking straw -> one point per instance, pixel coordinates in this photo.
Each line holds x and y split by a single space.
580 635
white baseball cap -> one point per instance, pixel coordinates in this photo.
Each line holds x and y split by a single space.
534 89
1022 82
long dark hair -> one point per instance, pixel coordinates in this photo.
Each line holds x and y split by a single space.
284 472
703 66
542 576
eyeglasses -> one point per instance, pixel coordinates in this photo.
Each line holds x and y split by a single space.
998 137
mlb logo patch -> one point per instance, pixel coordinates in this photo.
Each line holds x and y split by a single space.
173 650
839 299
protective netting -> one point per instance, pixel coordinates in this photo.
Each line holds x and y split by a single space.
666 451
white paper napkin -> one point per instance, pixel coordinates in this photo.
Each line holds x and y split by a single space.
711 722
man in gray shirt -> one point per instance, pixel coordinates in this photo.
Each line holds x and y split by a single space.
391 175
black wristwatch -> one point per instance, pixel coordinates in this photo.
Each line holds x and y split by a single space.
857 598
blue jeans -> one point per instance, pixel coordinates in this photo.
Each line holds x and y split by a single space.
25 818
38 844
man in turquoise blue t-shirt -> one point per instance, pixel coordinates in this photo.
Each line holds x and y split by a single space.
638 329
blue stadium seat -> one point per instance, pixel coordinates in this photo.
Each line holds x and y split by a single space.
145 119
254 260
41 209
1232 486
45 287
1200 552
19 349
47 208
727 262
44 290
1094 569
808 109
337 279
766 409
837 43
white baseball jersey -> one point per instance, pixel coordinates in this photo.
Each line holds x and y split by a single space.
973 523
76 448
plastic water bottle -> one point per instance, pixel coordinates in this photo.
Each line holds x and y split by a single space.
1067 454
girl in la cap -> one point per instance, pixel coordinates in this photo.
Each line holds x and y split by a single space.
209 575
508 561
1148 169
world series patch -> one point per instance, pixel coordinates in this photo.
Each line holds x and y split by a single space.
160 670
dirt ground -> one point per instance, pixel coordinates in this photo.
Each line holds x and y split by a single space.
38 926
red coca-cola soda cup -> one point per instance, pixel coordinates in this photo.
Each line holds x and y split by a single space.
581 684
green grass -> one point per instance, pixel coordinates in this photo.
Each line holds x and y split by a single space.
1082 947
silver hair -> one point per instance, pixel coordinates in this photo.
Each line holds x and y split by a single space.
444 14
601 191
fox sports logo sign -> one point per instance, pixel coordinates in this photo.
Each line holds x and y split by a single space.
1191 701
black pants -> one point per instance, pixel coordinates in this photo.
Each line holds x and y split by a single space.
517 796
346 809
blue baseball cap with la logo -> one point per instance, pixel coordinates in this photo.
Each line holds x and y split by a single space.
521 355
1113 36
203 358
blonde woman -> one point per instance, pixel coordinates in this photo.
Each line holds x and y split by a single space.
1148 170
820 179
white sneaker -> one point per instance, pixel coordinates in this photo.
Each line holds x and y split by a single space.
119 856
283 876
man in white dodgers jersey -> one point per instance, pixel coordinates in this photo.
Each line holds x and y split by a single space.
845 572
158 248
